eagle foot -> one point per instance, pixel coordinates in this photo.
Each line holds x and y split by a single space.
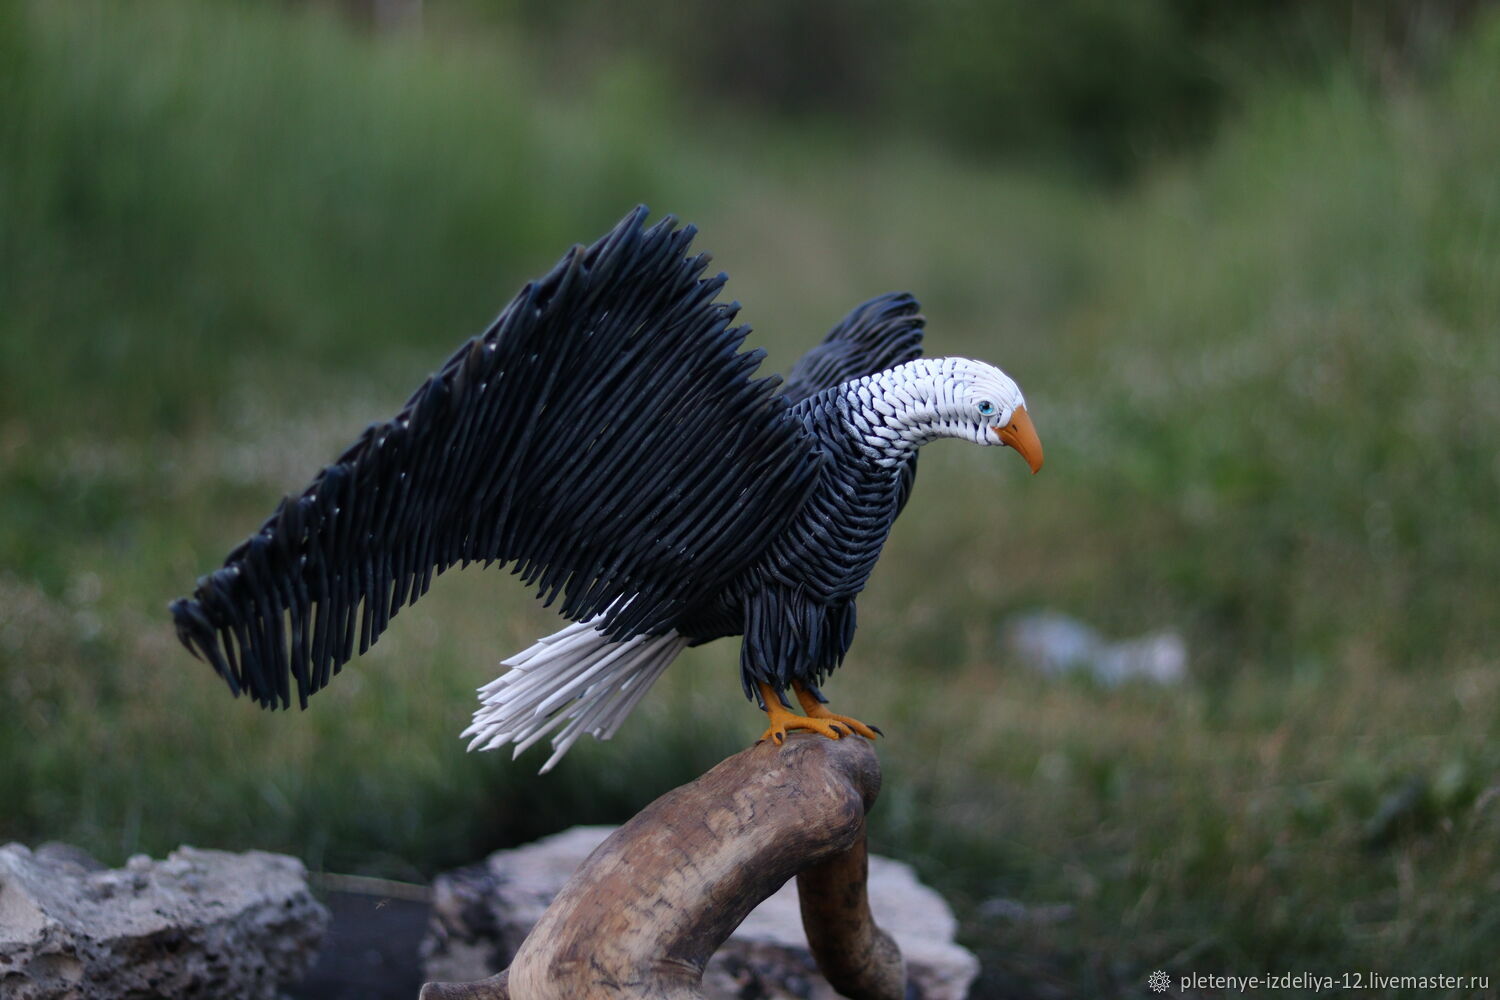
783 719
815 709
851 724
818 719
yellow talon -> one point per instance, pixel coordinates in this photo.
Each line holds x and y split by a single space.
783 719
815 709
817 720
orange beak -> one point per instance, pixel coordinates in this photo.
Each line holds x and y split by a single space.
1021 435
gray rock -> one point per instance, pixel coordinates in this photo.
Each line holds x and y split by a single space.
481 914
1055 644
207 924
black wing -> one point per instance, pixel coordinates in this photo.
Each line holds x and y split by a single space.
882 333
604 435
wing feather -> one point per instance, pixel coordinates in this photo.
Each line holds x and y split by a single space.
879 334
605 437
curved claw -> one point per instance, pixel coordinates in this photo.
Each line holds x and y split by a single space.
818 719
782 721
815 709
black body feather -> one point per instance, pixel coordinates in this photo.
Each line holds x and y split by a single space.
606 438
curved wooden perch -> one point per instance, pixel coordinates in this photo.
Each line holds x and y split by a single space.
645 912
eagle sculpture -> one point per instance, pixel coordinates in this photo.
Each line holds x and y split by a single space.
607 439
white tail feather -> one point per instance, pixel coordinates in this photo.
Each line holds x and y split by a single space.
578 679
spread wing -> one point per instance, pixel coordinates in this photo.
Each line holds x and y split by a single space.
604 436
880 334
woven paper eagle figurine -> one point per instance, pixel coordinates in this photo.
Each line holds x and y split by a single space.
606 439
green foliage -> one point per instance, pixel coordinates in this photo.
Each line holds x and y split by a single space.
1266 379
1095 87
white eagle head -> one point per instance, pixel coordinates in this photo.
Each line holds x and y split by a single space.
961 398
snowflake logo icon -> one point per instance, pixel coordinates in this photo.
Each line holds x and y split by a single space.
1159 981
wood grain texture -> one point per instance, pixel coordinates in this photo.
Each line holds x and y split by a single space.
644 913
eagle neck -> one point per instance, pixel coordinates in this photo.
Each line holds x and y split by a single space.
890 414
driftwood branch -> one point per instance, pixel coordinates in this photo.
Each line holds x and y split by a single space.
644 913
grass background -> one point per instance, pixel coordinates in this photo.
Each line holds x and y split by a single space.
1267 373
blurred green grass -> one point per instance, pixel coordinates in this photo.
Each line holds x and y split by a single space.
1268 380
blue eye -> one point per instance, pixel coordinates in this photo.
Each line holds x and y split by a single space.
986 408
